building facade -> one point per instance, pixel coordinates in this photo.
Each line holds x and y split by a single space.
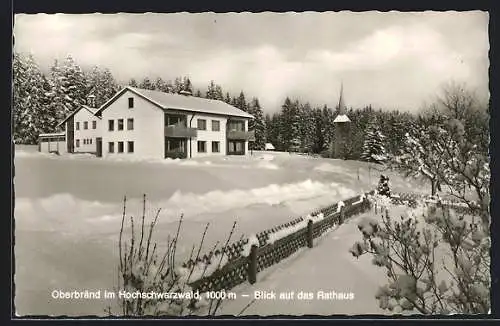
151 124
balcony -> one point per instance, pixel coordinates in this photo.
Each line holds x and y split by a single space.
240 135
180 130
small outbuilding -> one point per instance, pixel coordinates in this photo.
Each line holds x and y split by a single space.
52 143
269 147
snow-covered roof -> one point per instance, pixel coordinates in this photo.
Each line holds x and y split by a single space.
93 111
182 102
269 146
58 134
342 118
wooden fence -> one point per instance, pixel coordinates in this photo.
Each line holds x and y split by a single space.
240 268
411 200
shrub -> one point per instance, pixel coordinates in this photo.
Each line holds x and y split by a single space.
143 269
437 261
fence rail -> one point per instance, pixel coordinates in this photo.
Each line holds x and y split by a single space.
241 268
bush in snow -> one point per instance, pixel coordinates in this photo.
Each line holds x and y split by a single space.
449 146
383 186
436 260
143 269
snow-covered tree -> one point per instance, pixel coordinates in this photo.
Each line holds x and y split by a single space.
198 93
214 91
240 102
257 124
147 84
374 145
187 86
436 261
383 188
306 128
31 115
160 85
101 84
69 86
132 82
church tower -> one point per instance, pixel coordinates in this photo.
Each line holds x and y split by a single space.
342 127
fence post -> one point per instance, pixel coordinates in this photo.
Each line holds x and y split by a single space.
252 265
310 234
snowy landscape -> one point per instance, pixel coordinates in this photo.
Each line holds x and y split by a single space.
64 218
384 124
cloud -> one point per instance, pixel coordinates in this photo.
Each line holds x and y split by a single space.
384 59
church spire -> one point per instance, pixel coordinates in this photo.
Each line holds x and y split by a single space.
341 100
342 112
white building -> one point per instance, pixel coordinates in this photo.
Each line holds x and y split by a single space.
153 124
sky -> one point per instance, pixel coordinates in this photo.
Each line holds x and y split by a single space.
389 60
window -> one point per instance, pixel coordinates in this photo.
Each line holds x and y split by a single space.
130 124
78 143
86 125
175 120
120 124
130 146
90 141
215 147
120 147
215 125
78 126
202 124
84 141
130 102
202 146
236 126
111 125
111 147
94 124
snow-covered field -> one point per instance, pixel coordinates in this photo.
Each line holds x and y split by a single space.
68 213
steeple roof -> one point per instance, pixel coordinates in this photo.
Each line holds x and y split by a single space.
342 116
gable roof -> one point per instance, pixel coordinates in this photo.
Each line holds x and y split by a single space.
92 111
181 102
342 118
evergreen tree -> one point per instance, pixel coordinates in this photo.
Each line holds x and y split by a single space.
198 93
101 84
132 82
27 99
178 85
373 146
69 87
383 188
257 124
307 128
210 94
227 99
240 102
147 84
290 129
160 85
319 131
187 86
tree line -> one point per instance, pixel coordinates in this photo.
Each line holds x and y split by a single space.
41 100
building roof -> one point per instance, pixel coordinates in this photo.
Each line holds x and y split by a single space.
342 118
182 102
93 111
57 134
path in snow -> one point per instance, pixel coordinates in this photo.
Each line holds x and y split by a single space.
328 266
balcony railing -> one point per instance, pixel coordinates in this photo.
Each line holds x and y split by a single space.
240 135
180 130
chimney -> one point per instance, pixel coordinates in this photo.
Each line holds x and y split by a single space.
91 100
185 93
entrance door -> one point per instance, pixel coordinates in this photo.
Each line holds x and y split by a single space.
98 146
